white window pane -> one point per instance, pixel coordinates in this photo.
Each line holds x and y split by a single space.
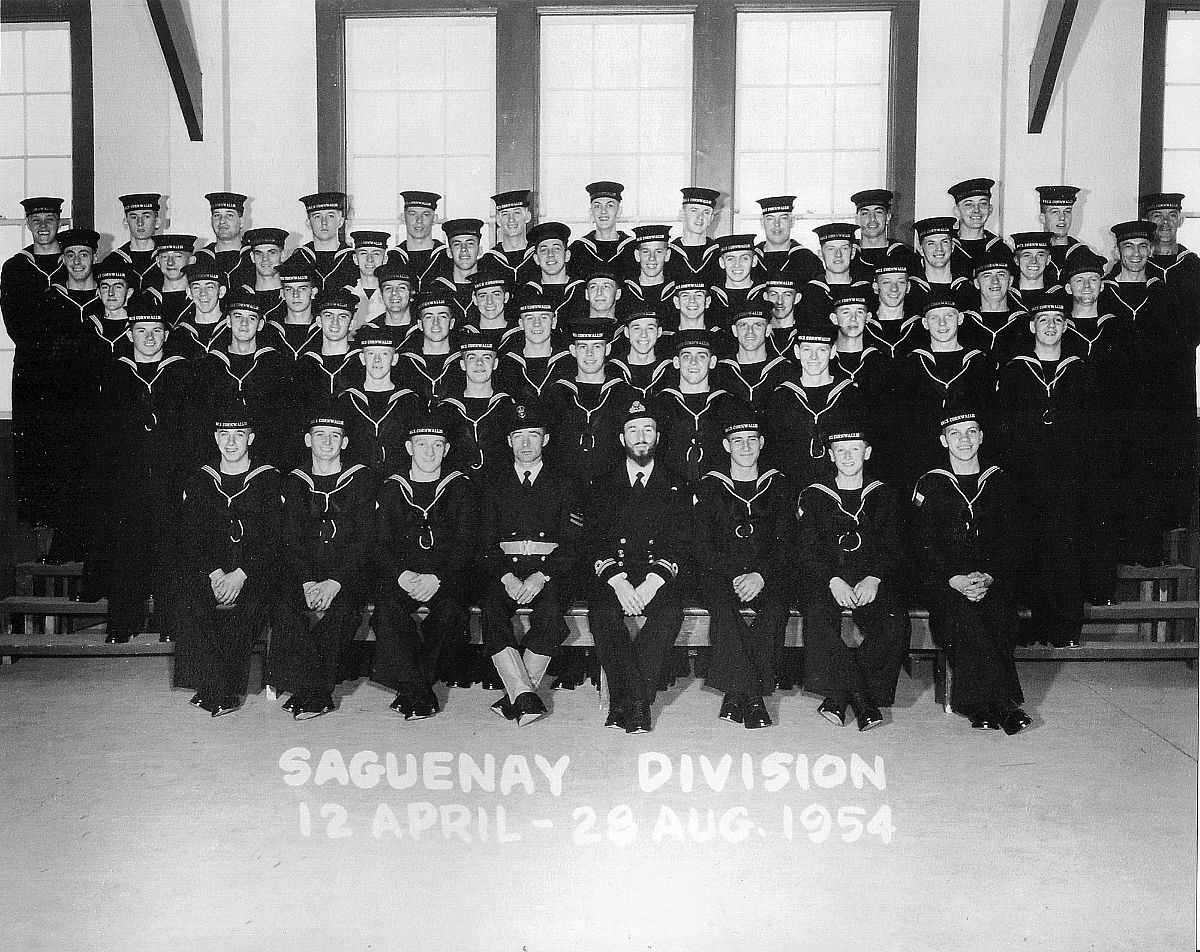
1181 173
49 177
470 57
422 122
810 119
566 53
562 191
861 49
812 54
759 175
12 187
376 53
1183 47
617 51
860 119
669 53
659 179
852 172
761 113
616 120
48 125
664 117
48 59
616 168
372 121
759 54
12 125
470 182
424 174
810 177
12 60
566 122
470 123
1180 128
373 187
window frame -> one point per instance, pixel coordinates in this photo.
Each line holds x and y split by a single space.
78 15
714 54
1154 81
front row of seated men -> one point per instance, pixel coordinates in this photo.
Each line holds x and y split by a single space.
428 537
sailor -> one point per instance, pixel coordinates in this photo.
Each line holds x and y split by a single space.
330 256
202 327
873 213
605 244
553 281
228 253
142 220
377 411
694 254
778 252
753 373
652 252
1035 282
172 255
644 367
452 274
738 285
476 412
398 319
297 329
419 250
1056 212
936 242
490 297
528 369
512 255
837 252
109 326
266 255
781 293
996 321
894 325
972 209
431 369
370 250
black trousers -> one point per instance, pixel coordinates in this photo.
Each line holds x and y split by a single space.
547 627
213 644
1051 583
831 667
633 665
744 650
980 637
406 652
305 645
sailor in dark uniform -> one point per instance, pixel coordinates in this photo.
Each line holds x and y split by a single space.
754 372
144 445
738 281
854 357
800 412
605 244
377 411
692 303
487 315
781 293
1044 411
250 373
266 254
419 250
1056 212
1035 282
995 321
229 253
231 520
431 369
330 257
744 547
694 254
636 531
692 413
328 537
602 292
644 366
553 282
939 266
968 555
873 213
452 273
586 408
476 413
972 208
652 252
35 267
370 250
172 254
297 329
837 254
142 220
202 327
528 369
512 255
531 526
109 337
779 253
322 373
895 326
851 554
396 287
428 523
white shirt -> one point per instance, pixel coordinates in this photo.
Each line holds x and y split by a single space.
633 469
533 471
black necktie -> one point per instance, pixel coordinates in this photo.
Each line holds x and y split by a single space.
525 480
639 483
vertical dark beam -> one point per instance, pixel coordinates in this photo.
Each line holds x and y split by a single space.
1154 77
83 143
1047 58
331 95
902 114
517 101
183 62
714 56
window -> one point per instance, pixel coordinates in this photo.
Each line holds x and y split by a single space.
1181 105
35 122
420 114
616 104
811 114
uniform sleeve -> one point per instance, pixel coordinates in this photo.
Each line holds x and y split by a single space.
932 547
462 548
708 555
600 549
259 555
570 531
889 543
389 562
295 537
813 548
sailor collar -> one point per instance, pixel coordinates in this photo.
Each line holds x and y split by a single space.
986 474
215 475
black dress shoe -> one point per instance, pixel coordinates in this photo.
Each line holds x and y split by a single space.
164 638
527 708
869 717
731 708
289 704
638 721
197 700
833 711
1014 721
755 714
422 707
401 704
503 706
225 706
117 640
616 717
985 721
309 708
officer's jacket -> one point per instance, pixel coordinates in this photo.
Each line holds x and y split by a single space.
229 530
520 523
438 538
378 429
957 534
835 541
639 532
479 439
329 525
737 534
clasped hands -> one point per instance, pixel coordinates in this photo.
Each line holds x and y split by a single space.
635 599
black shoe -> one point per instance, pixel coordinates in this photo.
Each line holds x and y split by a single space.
638 721
290 704
527 708
1015 721
503 706
197 700
307 709
117 640
731 708
616 717
869 717
985 721
225 706
422 707
833 711
755 713
402 704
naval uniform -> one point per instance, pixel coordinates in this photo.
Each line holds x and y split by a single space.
587 423
235 264
694 262
753 383
334 269
478 434
565 299
852 534
422 263
527 379
797 262
261 383
377 424
230 521
797 419
866 260
429 376
141 267
745 526
999 334
692 428
644 379
589 253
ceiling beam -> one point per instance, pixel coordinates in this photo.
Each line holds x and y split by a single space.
1047 58
179 50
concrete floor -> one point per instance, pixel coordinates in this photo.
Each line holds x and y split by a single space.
132 821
